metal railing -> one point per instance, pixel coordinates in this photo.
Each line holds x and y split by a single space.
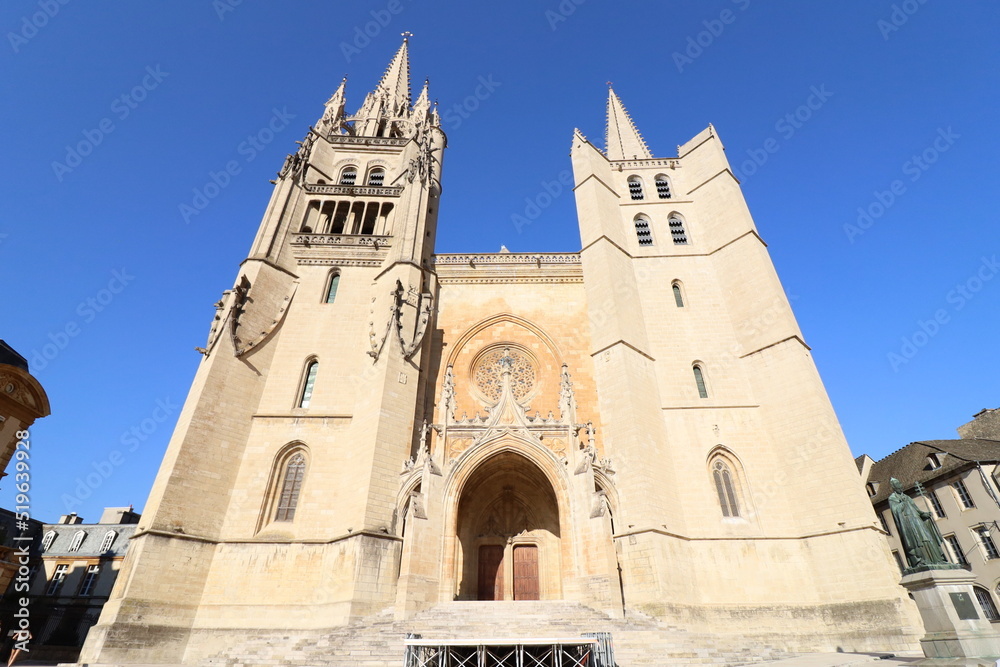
591 650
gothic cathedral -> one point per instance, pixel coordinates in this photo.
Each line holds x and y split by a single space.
636 430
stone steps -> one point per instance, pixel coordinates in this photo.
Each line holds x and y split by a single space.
379 642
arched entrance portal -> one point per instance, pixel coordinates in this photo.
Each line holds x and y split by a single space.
508 533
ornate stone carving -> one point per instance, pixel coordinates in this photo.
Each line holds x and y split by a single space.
488 374
14 388
342 239
423 305
250 327
353 190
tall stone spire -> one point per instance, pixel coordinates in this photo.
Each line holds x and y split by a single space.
622 139
391 97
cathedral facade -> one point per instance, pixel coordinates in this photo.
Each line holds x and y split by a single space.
376 430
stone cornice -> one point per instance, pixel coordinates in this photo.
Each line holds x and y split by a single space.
496 268
669 163
336 261
534 258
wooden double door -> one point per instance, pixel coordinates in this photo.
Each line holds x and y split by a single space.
524 571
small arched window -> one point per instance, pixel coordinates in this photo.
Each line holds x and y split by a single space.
678 297
699 380
307 385
663 187
376 177
77 541
349 176
725 487
47 541
677 231
635 188
643 231
986 602
331 290
291 485
109 539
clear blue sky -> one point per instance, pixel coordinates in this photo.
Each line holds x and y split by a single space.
211 74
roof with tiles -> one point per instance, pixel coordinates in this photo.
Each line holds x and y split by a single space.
912 464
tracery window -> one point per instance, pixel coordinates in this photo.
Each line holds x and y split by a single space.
725 487
291 485
488 374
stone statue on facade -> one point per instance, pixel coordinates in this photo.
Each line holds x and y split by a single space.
922 542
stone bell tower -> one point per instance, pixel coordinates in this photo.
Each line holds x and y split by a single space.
278 488
730 457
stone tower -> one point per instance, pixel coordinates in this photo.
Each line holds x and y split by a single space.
378 434
312 367
741 491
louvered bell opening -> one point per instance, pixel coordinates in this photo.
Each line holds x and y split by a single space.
643 233
663 189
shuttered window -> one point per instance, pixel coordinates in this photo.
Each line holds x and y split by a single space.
643 231
677 231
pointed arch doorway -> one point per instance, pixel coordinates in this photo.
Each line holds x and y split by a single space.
508 532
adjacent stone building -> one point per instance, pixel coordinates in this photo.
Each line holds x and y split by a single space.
379 435
959 484
79 563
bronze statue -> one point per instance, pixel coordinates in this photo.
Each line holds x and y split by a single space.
920 536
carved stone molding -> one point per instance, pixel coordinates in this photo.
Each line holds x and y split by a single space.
335 261
366 141
354 190
341 240
536 258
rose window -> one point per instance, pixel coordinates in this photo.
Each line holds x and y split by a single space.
489 373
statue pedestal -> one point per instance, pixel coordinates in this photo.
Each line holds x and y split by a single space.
957 633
